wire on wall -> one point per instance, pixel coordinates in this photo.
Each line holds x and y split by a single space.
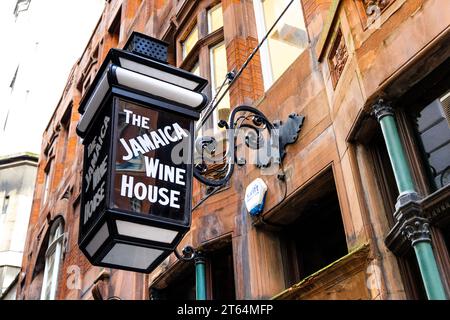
232 76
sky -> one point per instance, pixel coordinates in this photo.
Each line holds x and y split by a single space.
42 44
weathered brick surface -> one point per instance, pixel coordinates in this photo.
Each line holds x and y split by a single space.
331 113
249 86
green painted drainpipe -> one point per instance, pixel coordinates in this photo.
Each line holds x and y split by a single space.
403 177
200 276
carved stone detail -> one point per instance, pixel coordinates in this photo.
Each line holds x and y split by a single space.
412 226
372 7
416 230
337 57
382 108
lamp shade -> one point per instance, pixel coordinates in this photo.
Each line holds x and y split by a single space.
137 127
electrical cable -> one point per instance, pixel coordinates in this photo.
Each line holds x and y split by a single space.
235 76
206 198
232 78
264 221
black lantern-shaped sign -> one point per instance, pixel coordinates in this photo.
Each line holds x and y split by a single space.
137 127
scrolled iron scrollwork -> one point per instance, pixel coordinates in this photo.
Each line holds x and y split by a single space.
269 139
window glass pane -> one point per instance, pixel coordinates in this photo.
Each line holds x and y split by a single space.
215 18
52 260
218 73
47 285
55 234
433 125
316 238
190 41
47 182
196 69
289 37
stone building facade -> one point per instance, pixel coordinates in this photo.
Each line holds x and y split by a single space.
364 195
17 178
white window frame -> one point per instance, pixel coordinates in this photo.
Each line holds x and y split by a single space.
213 80
55 248
264 49
47 182
184 54
209 16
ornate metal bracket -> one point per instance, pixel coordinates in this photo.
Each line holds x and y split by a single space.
288 131
249 125
190 254
187 254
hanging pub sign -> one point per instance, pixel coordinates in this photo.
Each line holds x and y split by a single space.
137 127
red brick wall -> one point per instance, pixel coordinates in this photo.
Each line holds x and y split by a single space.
302 89
249 86
313 7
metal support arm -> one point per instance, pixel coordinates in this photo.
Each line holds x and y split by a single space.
280 135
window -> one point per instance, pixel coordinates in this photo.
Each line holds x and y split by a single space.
221 274
5 204
182 287
314 237
65 124
389 193
190 41
47 182
220 285
433 131
201 50
219 71
114 30
288 39
446 235
196 69
215 18
424 123
53 257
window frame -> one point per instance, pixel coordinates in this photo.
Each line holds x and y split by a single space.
416 98
418 163
417 154
387 187
292 252
209 12
188 34
65 128
54 250
48 171
218 247
215 114
200 52
266 64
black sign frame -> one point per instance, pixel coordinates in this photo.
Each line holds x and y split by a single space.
108 216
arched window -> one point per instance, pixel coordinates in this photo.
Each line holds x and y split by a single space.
52 261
